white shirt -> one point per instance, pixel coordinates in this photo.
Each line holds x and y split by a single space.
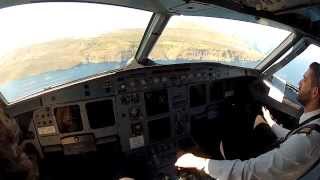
290 161
282 132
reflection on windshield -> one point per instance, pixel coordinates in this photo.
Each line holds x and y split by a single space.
68 118
69 45
202 39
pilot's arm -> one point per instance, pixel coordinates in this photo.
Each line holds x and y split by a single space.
276 128
291 160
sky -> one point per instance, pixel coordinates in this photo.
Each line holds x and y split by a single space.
35 23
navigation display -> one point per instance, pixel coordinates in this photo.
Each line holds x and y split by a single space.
198 95
156 102
216 91
100 113
159 129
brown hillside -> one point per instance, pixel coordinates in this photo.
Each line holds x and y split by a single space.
117 46
195 44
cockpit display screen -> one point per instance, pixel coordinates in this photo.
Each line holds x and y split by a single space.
100 113
198 95
68 118
216 91
156 102
159 129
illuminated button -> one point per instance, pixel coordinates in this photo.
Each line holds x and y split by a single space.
108 84
138 127
122 86
156 80
143 82
132 83
76 139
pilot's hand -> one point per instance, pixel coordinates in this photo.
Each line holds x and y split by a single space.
259 120
267 116
191 161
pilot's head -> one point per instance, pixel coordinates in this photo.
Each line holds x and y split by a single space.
14 164
8 129
309 87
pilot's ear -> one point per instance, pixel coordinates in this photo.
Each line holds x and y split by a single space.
316 91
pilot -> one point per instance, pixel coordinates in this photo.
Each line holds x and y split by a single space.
294 156
14 163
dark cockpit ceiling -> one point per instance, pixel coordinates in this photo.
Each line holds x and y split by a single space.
303 15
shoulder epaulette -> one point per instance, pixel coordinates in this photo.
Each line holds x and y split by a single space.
307 129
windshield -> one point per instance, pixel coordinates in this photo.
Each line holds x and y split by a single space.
189 39
294 70
48 44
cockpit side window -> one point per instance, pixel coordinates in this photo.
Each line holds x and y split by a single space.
293 71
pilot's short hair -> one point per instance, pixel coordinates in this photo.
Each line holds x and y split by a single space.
8 128
315 67
11 167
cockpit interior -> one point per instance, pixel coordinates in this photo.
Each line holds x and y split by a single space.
127 102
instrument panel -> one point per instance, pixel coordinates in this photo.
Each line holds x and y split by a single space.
144 107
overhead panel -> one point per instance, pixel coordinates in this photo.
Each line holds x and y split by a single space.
276 5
